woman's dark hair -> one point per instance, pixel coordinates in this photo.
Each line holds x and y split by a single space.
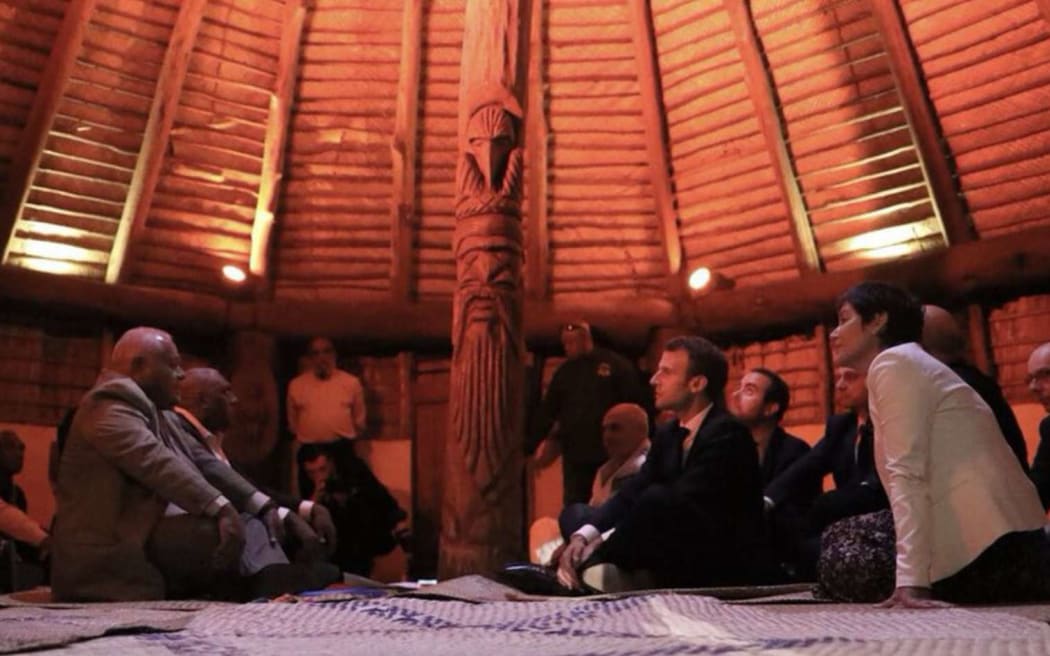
705 359
903 311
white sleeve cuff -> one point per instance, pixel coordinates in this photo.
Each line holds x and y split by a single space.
588 532
306 509
217 504
256 502
282 513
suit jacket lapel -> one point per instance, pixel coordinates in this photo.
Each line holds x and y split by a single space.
701 434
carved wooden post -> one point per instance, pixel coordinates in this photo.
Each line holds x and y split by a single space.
482 505
251 439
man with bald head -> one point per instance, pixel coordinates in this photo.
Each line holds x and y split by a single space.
196 427
1038 379
116 477
943 339
205 413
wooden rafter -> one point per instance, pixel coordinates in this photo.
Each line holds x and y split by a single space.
403 210
49 94
764 97
995 264
948 203
276 135
537 135
158 131
1011 263
656 132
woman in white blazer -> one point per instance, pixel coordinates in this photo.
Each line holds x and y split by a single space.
966 521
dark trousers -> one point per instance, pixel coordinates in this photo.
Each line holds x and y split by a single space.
577 479
181 547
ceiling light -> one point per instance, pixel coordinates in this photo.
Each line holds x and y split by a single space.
234 273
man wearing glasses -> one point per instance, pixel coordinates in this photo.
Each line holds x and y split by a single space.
590 381
1039 383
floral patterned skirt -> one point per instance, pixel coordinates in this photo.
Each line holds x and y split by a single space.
858 563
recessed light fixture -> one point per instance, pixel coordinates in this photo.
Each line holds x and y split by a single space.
234 273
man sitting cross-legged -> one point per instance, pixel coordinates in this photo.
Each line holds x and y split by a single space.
693 514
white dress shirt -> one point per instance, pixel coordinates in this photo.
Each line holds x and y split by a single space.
954 485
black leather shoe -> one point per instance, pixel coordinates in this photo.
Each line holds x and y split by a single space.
537 580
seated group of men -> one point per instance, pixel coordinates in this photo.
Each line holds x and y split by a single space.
730 498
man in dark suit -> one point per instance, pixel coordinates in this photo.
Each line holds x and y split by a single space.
845 452
760 402
693 514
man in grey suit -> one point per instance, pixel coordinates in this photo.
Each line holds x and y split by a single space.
116 478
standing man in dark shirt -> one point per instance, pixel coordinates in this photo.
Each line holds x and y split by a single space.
1039 383
589 382
943 339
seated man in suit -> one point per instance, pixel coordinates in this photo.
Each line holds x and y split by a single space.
693 514
116 476
365 514
197 426
845 452
760 402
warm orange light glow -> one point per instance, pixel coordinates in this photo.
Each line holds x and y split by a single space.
700 278
896 241
52 266
234 273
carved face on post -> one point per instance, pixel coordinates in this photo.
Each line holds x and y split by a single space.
490 140
488 178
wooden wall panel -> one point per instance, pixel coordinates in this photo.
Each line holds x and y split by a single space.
862 181
1015 329
732 216
333 228
43 373
436 157
987 67
603 229
27 31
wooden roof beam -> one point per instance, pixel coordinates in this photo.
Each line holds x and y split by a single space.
276 136
537 138
656 141
922 121
764 97
1018 261
158 130
26 158
403 147
995 266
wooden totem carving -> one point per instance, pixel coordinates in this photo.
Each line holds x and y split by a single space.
482 509
253 436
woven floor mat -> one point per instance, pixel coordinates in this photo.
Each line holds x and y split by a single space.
27 627
643 625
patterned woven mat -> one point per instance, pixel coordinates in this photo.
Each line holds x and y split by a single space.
642 625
